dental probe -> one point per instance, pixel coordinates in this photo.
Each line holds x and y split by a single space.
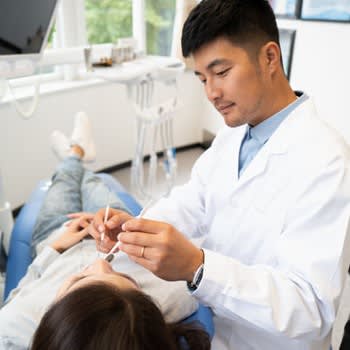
103 233
110 255
104 222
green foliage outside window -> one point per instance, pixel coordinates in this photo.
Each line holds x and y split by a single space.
108 20
51 35
159 25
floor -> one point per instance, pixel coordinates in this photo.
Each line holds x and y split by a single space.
185 161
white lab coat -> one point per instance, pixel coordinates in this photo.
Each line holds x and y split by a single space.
276 239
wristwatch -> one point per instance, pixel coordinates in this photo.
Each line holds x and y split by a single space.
193 285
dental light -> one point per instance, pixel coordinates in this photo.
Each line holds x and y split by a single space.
24 31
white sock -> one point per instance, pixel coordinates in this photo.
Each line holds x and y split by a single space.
82 136
60 144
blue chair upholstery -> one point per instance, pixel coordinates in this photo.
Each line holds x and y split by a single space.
19 257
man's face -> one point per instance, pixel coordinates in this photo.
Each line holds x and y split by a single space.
99 271
235 83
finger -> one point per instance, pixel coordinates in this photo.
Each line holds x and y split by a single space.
84 221
147 264
68 223
118 220
88 216
78 216
145 225
98 221
74 225
137 251
140 239
83 224
93 232
83 233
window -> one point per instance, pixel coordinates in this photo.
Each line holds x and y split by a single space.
160 16
51 43
79 22
108 20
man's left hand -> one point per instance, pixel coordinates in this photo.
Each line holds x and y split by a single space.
160 248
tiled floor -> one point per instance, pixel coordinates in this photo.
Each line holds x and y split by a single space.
185 161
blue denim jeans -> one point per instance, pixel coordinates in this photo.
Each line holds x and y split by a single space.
73 189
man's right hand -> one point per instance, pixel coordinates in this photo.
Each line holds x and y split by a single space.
111 228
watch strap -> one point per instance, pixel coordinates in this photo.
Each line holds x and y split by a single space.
198 275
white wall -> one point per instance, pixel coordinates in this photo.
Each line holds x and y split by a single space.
321 68
25 155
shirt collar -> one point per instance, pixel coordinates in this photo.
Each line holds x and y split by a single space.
263 131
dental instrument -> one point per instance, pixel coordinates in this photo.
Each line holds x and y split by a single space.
104 222
111 254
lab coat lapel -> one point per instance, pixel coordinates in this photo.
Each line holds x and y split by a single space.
279 142
236 146
276 145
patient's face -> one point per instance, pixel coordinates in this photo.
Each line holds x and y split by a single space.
99 271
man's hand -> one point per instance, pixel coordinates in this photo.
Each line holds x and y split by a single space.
116 218
75 232
160 248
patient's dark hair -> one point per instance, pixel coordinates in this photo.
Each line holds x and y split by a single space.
100 316
247 23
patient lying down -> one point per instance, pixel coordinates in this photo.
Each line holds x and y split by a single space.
95 306
80 301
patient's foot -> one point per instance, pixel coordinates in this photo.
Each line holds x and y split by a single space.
76 150
60 144
82 137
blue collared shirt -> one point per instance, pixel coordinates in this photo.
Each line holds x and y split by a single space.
258 135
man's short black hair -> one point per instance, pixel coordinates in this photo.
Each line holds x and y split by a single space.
248 23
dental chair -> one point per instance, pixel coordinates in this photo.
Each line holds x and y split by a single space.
19 256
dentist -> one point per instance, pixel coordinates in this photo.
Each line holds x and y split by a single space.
270 198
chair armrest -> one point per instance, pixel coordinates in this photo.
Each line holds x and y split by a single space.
19 256
204 317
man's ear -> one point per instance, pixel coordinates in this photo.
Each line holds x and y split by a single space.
271 56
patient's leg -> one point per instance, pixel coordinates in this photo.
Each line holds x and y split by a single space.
63 197
96 195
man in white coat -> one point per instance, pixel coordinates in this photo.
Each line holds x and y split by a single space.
271 197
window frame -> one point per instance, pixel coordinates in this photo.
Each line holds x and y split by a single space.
70 18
